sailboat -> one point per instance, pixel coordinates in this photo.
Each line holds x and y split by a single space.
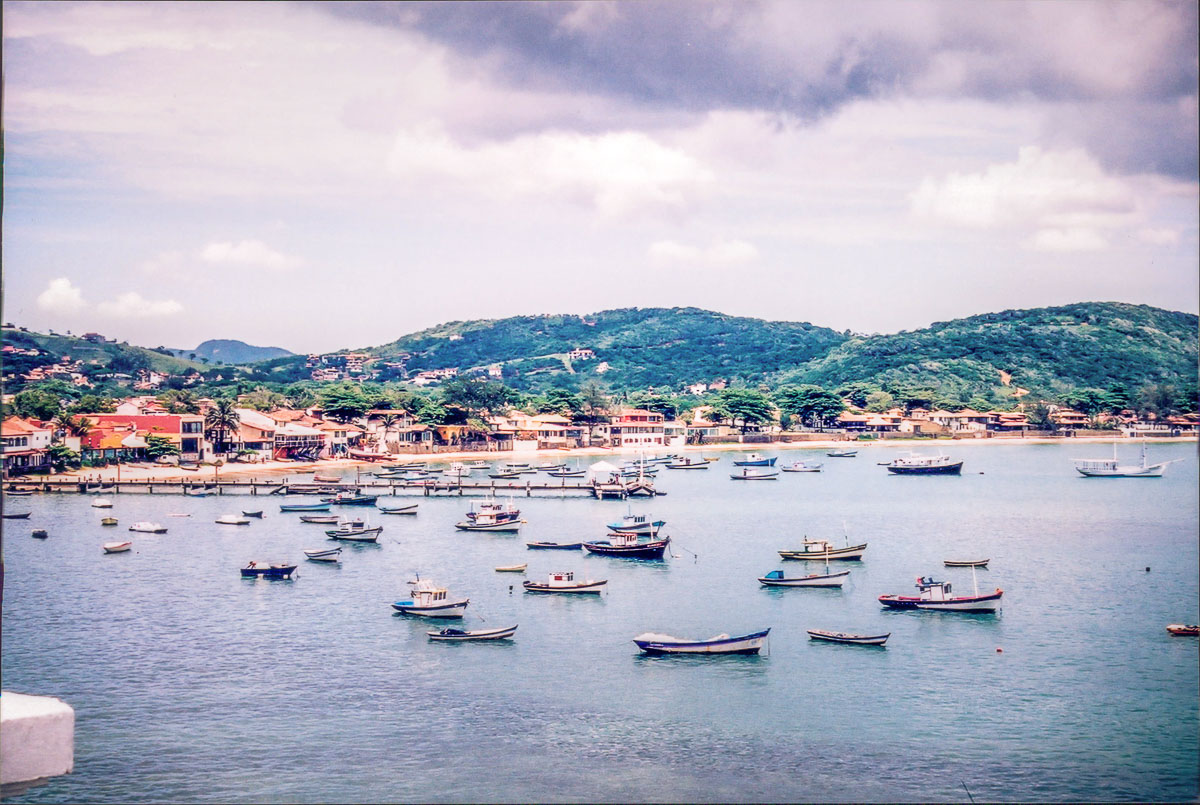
1111 468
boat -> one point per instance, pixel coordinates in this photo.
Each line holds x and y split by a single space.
748 474
551 467
232 519
1183 629
17 516
179 514
477 465
366 455
257 514
457 470
102 503
355 531
567 473
431 601
200 494
504 476
462 635
935 595
40 533
755 460
638 472
629 545
689 464
351 499
324 554
637 524
325 519
641 487
966 562
849 639
117 547
327 479
652 643
148 528
776 579
511 568
17 493
564 582
802 466
304 507
924 465
1111 468
189 467
820 549
492 516
109 521
554 546
411 508
841 453
266 570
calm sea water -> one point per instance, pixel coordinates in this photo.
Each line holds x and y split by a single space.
191 684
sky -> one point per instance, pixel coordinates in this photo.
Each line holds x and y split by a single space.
324 176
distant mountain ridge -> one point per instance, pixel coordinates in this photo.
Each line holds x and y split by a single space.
229 350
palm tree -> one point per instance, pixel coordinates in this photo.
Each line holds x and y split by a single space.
75 426
388 421
221 419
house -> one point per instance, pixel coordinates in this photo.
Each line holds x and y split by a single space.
140 406
26 445
581 355
340 437
966 421
1066 418
292 438
636 427
185 431
114 442
1007 421
696 389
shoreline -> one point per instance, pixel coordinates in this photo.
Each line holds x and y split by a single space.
208 473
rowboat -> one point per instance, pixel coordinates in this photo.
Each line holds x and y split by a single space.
324 554
18 516
326 519
365 455
754 475
925 465
849 639
652 643
109 521
232 519
461 635
327 479
935 595
1183 629
802 466
504 476
755 460
257 514
567 473
102 503
512 568
820 550
355 531
431 601
776 579
564 582
841 453
966 562
148 528
629 546
689 464
304 507
554 546
267 570
117 547
409 509
17 493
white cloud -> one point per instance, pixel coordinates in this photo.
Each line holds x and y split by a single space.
170 262
1068 240
252 253
1158 237
727 252
61 297
133 305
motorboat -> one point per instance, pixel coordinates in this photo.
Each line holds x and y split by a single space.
146 527
689 464
462 635
492 516
267 570
40 533
564 582
117 547
849 639
915 464
821 550
629 545
431 601
1183 629
411 508
324 554
653 643
352 499
936 595
102 503
748 474
355 531
637 524
457 470
802 466
756 460
1111 468
232 519
776 579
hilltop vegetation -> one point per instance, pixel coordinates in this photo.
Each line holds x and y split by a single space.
105 355
231 351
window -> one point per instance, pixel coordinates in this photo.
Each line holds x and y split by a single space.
191 427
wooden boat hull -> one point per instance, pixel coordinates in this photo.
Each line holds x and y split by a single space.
109 521
20 516
325 519
117 547
756 476
939 469
1153 471
815 580
842 453
966 562
233 521
758 462
399 510
304 507
645 550
966 603
703 465
362 500
810 468
257 514
723 644
147 528
460 635
366 535
852 553
849 639
1183 629
269 572
512 568
554 546
584 587
508 525
327 479
329 555
450 609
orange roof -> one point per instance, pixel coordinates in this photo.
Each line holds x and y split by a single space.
15 426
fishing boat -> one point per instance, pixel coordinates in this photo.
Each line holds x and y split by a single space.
802 466
841 453
232 519
924 465
477 465
355 531
638 472
637 524
324 554
1111 468
652 643
117 547
748 474
40 533
551 467
630 546
849 639
258 514
462 635
411 508
431 601
554 546
511 568
567 473
564 582
966 562
352 499
641 487
267 570
492 516
16 515
1183 629
200 494
935 595
504 476
755 460
689 464
776 579
148 528
820 550
102 503
327 479
324 519
304 507
109 521
457 470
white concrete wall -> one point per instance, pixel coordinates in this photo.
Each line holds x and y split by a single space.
37 737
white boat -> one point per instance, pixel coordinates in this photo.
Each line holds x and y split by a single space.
102 503
748 474
637 524
935 595
117 547
503 633
356 530
431 601
776 579
324 555
915 464
148 528
821 549
512 568
653 643
232 519
1111 468
849 639
492 516
564 582
457 470
802 466
841 453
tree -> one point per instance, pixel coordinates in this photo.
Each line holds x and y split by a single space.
221 420
262 399
749 406
657 403
159 446
179 401
858 393
593 404
1158 399
344 401
73 426
556 401
388 421
92 404
879 401
811 404
37 403
476 396
62 457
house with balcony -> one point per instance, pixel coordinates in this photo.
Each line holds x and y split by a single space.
25 445
636 427
185 431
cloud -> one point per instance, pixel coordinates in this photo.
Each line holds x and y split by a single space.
726 252
1068 240
61 297
247 253
132 305
1159 236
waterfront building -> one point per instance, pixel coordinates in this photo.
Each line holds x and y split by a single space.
26 443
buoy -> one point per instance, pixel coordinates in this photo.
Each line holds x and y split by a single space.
1147 570
999 650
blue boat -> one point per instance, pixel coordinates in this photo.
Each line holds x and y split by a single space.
755 460
268 571
652 643
304 507
347 499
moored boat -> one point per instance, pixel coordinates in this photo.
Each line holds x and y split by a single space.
841 453
257 514
492 516
411 508
653 643
554 546
351 499
924 465
511 568
748 474
689 464
40 533
1111 468
431 601
1183 629
629 545
232 519
117 547
109 521
966 562
776 579
756 460
327 479
849 639
304 507
564 582
936 595
16 515
820 550
637 524
355 531
146 527
324 554
267 570
463 635
802 466
102 503
325 519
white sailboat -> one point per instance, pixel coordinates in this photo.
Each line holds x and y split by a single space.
1112 468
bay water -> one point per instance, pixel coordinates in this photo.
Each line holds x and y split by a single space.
191 684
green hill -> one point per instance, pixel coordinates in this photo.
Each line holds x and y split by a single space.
95 355
232 351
